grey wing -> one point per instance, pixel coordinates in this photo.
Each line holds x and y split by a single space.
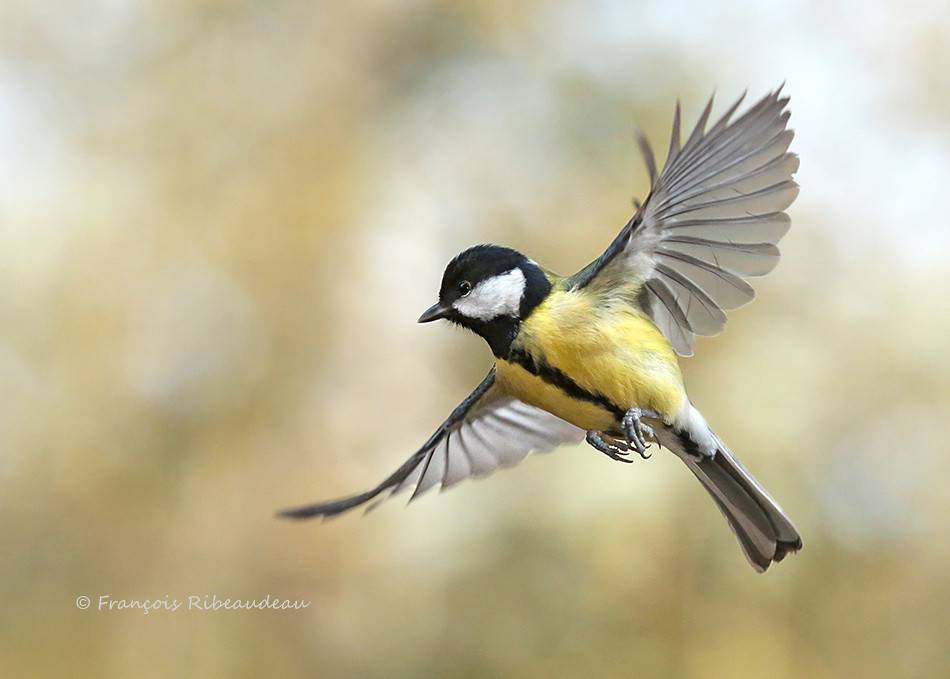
712 219
488 430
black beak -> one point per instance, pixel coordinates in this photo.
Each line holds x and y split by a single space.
434 313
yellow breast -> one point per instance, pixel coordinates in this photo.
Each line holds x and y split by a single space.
586 361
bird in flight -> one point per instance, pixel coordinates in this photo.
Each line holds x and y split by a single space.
593 356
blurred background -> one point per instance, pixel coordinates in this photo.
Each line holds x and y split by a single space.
218 223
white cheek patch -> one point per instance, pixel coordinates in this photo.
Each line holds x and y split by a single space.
496 296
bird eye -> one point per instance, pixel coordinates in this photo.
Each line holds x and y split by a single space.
465 287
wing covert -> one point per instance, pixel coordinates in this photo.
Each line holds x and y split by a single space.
487 431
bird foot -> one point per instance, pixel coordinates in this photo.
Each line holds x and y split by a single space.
615 451
639 435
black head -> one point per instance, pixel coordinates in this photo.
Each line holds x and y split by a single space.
490 290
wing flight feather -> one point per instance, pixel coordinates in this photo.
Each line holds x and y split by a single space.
712 219
487 431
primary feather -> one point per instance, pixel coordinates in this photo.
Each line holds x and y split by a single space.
487 431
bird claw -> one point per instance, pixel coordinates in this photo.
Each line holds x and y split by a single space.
618 452
639 435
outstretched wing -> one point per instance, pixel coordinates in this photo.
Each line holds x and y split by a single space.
712 219
486 431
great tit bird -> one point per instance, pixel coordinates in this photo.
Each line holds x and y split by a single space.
593 356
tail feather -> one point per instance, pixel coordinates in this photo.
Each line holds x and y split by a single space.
764 531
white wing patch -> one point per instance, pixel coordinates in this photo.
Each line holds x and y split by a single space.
496 296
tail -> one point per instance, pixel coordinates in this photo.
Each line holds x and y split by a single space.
764 530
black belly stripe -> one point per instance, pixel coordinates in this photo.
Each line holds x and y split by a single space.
551 375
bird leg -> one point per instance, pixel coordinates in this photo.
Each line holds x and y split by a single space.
616 451
639 435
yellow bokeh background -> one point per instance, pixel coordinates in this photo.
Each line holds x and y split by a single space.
218 223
